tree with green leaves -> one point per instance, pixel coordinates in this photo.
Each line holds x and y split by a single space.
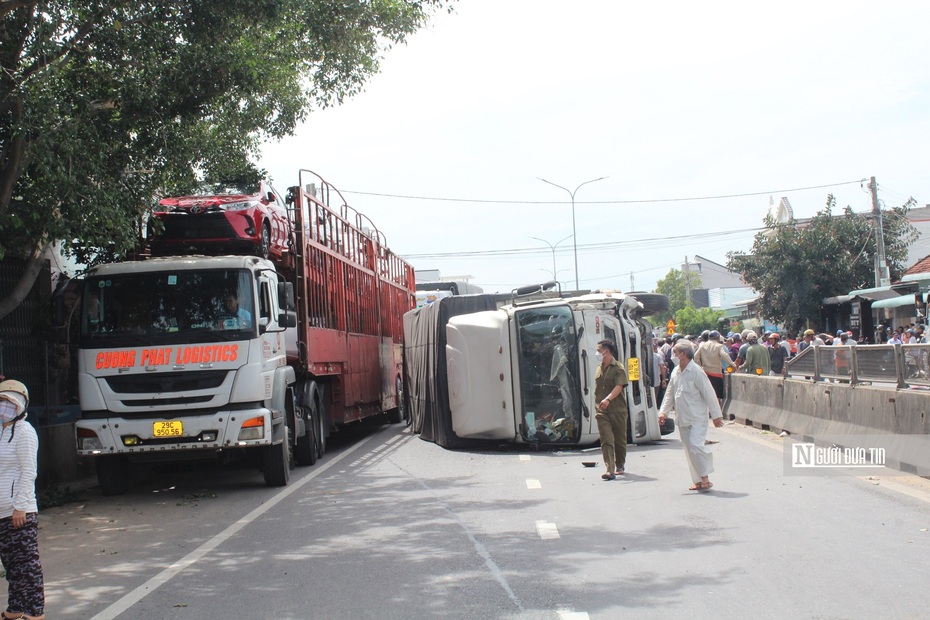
107 104
674 286
691 320
795 266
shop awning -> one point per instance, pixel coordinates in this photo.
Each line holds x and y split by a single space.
894 302
839 299
879 292
885 292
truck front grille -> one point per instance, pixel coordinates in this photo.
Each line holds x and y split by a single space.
167 382
162 402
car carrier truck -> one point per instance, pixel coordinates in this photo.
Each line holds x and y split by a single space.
524 373
205 357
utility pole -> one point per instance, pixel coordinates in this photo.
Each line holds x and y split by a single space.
574 232
555 277
632 286
687 283
882 277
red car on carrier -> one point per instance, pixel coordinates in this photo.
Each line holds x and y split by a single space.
222 218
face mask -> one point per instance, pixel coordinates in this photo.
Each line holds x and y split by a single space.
8 411
675 359
599 356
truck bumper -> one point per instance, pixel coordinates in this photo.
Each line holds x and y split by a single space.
219 431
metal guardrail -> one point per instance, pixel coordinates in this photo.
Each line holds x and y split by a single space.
901 365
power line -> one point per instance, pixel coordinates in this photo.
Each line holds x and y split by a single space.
586 247
601 202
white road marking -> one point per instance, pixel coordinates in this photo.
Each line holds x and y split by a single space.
524 457
164 576
547 530
533 484
572 615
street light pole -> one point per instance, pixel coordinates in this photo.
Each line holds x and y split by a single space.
574 231
553 247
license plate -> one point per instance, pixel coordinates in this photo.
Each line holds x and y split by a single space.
632 367
168 428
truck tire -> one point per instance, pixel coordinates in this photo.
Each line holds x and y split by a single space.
113 474
277 462
319 425
399 413
307 448
652 302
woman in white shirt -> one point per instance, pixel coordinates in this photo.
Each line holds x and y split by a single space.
19 522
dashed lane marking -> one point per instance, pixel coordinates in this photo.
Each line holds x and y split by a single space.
547 530
533 484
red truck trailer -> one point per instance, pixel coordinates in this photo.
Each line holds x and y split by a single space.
201 357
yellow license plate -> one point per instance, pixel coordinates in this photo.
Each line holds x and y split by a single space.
168 428
633 369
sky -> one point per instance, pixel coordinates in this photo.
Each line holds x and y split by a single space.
695 114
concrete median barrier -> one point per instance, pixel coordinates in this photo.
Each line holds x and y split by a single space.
896 420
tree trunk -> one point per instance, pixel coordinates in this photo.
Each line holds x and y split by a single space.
22 288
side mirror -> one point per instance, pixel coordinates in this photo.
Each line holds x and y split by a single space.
286 296
287 319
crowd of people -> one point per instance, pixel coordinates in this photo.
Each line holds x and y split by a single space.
903 334
689 373
747 352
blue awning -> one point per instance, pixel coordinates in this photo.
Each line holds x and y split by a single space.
894 302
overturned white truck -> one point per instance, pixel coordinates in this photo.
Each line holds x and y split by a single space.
524 373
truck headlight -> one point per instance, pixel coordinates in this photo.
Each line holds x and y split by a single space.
252 429
88 440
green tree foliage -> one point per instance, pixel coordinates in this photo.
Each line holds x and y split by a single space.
794 267
690 320
673 287
106 104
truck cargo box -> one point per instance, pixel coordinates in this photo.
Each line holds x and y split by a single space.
427 386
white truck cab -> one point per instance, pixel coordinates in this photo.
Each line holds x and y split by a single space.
525 372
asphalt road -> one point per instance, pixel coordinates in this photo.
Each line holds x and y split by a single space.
389 526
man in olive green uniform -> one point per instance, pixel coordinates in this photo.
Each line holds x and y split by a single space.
609 382
758 360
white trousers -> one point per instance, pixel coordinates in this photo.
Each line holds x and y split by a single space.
700 458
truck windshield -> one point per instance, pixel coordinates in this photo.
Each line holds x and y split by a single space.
549 388
167 306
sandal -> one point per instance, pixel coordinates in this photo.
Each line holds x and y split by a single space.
701 486
609 476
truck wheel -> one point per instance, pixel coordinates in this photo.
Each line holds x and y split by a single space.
113 474
320 425
399 413
306 450
277 465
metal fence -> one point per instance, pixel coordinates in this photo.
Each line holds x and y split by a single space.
900 365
